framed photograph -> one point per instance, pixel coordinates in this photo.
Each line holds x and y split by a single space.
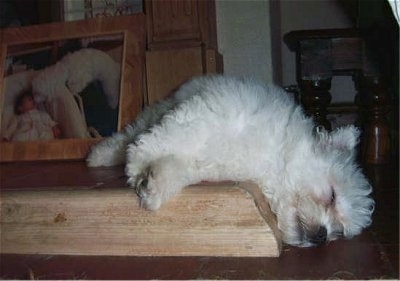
65 86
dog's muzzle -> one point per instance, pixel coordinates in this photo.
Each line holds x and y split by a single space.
318 237
313 236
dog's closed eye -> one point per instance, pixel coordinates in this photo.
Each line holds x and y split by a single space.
333 196
330 199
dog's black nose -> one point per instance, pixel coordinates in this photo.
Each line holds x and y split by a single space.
320 236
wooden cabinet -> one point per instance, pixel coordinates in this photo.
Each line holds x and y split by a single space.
176 23
169 68
181 43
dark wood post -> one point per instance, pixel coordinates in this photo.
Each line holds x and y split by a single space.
315 98
375 102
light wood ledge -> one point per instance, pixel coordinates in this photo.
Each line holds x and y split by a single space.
218 219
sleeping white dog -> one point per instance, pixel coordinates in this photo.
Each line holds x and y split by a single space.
222 128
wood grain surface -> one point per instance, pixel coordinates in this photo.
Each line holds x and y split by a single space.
210 220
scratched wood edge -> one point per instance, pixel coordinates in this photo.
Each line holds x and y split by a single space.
204 220
65 149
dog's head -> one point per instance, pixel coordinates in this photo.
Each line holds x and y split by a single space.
330 198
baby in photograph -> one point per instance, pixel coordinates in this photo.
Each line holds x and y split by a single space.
31 123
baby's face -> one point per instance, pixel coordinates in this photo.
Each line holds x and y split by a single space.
27 104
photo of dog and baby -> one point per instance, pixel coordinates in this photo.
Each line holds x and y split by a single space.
68 99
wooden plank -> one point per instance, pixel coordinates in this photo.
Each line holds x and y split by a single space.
212 220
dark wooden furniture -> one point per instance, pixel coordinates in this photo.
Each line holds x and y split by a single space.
322 54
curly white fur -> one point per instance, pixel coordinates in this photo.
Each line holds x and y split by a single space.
221 128
75 71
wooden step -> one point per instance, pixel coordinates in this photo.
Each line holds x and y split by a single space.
218 219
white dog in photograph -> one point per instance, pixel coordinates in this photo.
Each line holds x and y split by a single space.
75 71
221 128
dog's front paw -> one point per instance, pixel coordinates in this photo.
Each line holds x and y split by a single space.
158 181
135 178
150 194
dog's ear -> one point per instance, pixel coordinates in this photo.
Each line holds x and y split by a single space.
345 138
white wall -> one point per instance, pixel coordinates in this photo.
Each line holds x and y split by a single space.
244 37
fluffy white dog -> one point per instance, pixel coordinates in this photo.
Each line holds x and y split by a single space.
219 128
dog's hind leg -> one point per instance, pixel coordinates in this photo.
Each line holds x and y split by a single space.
112 150
165 140
109 152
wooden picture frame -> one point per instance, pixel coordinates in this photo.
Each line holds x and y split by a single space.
131 27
